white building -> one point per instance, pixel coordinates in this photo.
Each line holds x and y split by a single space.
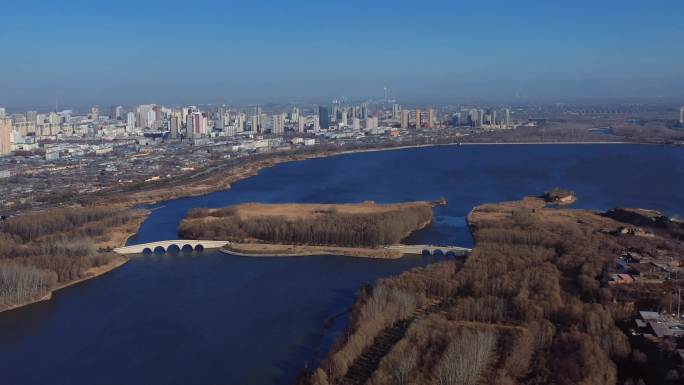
356 124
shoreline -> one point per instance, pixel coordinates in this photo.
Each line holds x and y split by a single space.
246 171
92 272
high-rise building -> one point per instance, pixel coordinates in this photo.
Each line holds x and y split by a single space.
343 118
3 112
5 136
404 118
95 112
301 122
681 115
32 117
145 116
474 117
418 118
371 122
174 125
278 127
196 125
240 121
254 124
396 110
335 113
356 124
431 118
130 121
116 112
324 118
507 121
294 116
364 111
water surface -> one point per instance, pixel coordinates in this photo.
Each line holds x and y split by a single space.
209 318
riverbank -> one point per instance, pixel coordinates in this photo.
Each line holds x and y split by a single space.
224 178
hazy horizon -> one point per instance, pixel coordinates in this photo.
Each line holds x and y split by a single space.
122 52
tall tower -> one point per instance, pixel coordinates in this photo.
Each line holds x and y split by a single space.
5 136
508 117
324 118
681 115
418 118
431 118
404 118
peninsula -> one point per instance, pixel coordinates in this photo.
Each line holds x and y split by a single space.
548 295
364 229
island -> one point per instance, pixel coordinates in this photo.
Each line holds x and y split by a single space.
366 229
548 296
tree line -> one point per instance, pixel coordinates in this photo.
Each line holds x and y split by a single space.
329 228
42 249
529 306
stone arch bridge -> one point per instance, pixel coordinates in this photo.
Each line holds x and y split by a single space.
164 246
447 251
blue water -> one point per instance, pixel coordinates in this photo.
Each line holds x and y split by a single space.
209 318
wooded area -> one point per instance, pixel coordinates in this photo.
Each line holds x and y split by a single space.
529 306
329 227
41 250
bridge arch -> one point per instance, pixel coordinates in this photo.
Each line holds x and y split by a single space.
174 248
199 247
159 250
438 253
451 254
147 250
187 248
426 253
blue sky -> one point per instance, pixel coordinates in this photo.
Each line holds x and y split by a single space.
241 51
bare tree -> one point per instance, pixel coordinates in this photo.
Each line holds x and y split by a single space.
465 358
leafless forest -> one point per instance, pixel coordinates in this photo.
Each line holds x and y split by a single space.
328 228
43 249
529 306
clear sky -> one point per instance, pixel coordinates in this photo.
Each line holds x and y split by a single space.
200 51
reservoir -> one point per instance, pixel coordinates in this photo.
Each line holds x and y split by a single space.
210 318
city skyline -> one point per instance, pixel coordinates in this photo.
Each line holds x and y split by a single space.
128 53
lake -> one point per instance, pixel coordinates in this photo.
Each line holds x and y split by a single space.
210 318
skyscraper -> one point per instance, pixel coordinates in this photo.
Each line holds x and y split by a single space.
508 117
681 115
418 118
2 112
130 121
278 127
115 112
255 124
404 118
396 110
301 122
95 112
324 118
364 111
431 118
356 124
5 136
